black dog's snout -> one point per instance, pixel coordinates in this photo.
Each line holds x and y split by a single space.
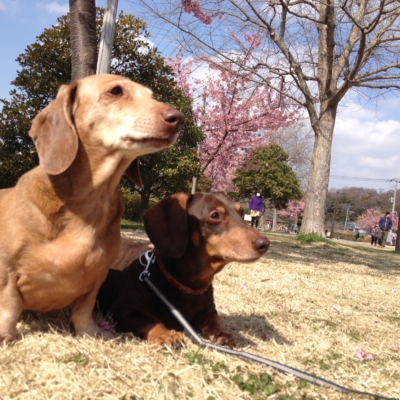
261 245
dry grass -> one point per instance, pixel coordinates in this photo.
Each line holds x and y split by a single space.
306 305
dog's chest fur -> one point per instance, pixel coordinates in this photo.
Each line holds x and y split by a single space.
56 258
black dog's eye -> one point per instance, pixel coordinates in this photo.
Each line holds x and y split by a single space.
117 91
214 215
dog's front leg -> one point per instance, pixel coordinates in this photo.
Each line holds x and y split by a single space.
158 334
82 319
215 331
10 308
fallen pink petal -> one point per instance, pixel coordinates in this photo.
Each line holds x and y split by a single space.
105 325
363 356
243 286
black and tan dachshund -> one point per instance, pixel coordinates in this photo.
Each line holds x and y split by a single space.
194 236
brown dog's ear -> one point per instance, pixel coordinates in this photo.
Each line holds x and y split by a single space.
167 226
54 134
133 172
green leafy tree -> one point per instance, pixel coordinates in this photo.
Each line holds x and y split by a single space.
46 64
266 170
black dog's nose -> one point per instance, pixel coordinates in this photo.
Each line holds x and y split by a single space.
261 245
173 117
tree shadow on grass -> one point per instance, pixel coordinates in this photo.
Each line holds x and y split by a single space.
57 321
255 325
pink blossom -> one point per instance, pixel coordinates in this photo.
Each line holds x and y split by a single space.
294 207
363 356
193 7
106 325
235 114
370 217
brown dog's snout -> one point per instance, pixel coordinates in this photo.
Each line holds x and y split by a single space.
261 245
173 117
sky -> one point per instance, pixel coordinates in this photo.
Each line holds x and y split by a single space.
366 143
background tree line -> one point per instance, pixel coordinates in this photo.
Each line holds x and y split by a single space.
357 200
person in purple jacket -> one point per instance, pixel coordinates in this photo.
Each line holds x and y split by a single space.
256 208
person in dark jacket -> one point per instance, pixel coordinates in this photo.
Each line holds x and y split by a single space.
256 208
385 225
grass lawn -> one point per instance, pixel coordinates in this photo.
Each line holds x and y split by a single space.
310 306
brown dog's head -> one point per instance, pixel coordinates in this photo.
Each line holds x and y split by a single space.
108 115
204 223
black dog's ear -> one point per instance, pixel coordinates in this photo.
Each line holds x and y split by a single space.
167 226
133 172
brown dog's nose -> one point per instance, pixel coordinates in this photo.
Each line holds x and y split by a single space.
173 117
261 245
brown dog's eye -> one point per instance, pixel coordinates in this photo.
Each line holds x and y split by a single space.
214 215
117 91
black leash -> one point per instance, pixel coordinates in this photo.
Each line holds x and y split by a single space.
261 360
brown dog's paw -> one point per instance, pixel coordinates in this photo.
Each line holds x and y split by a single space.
174 340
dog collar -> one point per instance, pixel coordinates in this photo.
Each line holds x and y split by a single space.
174 282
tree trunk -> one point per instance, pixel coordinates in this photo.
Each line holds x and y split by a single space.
83 38
145 197
397 248
274 221
314 212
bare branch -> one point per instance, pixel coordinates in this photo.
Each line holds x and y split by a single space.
303 16
371 86
370 74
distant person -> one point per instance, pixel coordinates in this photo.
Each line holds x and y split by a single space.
385 225
374 235
357 236
256 208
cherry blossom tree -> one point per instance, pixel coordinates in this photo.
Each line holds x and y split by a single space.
371 217
295 208
321 50
235 113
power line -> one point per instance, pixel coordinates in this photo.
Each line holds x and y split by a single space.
352 178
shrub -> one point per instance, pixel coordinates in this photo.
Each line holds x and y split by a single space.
132 203
312 238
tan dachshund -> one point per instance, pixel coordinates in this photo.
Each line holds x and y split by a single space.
60 225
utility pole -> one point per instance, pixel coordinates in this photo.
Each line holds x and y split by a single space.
107 37
347 215
334 214
194 182
396 181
